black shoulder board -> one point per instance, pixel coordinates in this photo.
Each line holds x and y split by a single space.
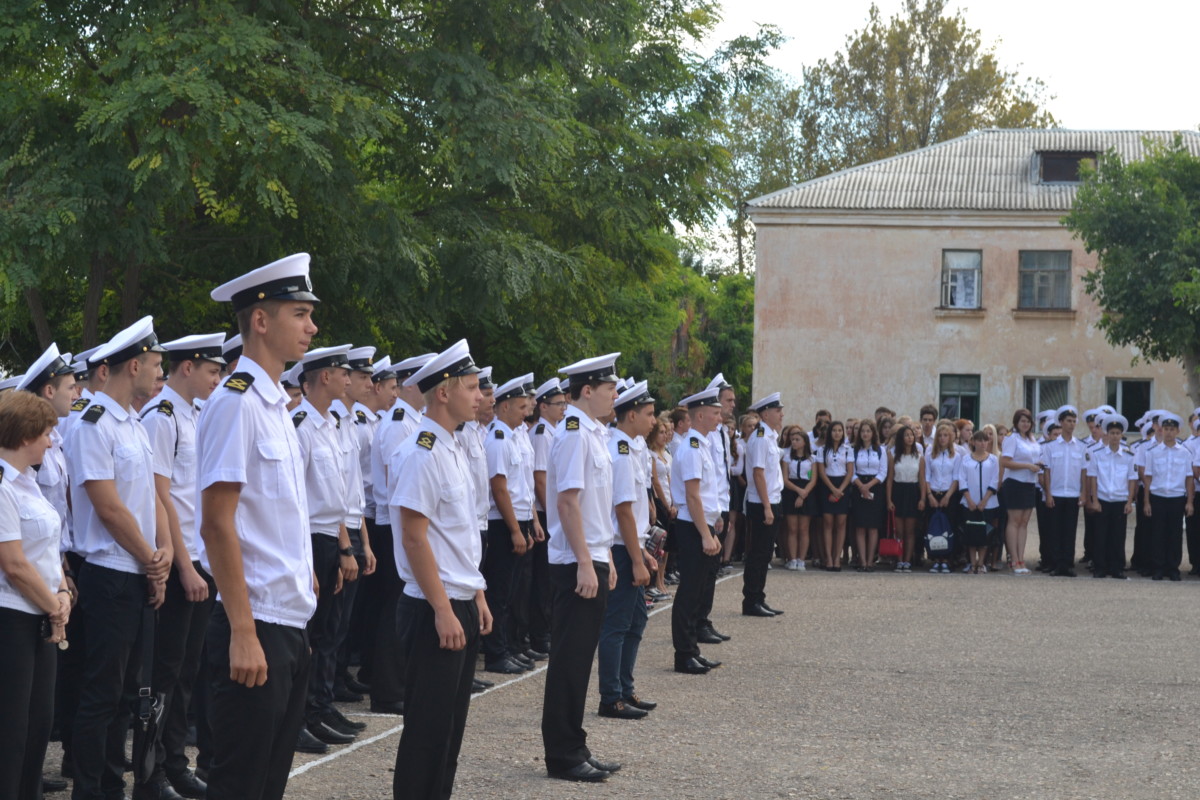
541 428
1 473
360 417
165 407
398 415
623 448
336 415
499 433
460 426
694 443
239 382
95 411
762 431
80 404
572 423
298 417
426 439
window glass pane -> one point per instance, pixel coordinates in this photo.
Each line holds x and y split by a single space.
1042 394
1131 398
962 259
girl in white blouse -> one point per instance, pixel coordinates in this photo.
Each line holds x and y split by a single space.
978 475
905 498
941 469
868 506
660 482
799 498
834 459
1022 460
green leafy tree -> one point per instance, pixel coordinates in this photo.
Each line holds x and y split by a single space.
1142 218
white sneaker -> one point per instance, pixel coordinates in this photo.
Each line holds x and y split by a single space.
800 565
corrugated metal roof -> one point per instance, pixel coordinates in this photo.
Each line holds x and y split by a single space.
988 170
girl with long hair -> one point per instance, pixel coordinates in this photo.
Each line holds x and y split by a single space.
799 498
941 470
660 483
867 508
1022 460
834 459
906 476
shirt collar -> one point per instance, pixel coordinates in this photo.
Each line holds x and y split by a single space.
371 415
409 411
586 421
120 411
178 404
447 437
316 416
268 389
499 423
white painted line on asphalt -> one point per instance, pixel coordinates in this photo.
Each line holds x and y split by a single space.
350 748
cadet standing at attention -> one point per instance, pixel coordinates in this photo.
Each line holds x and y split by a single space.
579 509
764 491
253 524
442 613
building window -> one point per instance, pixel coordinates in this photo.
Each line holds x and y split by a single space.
961 278
1131 398
959 398
1044 394
1063 167
1045 279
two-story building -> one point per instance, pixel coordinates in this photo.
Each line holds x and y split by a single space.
945 275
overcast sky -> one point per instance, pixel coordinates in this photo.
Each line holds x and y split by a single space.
1119 66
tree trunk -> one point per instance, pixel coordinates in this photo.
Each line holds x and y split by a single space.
97 274
37 312
1191 372
131 294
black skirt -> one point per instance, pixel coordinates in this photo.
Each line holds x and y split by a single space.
737 493
906 496
835 507
1018 495
788 503
866 513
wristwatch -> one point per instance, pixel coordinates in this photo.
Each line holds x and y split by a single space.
346 551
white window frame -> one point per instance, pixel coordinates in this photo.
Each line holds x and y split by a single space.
1037 382
962 285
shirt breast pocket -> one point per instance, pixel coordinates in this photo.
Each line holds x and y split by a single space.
127 462
326 463
36 524
275 474
185 466
602 467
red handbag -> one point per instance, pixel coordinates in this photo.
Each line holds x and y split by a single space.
889 546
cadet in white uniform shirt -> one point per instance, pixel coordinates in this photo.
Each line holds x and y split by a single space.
170 422
1112 482
121 531
694 492
253 522
723 461
579 510
51 378
764 491
442 612
325 373
1169 484
1066 459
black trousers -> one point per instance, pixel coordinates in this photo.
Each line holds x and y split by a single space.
696 570
322 628
1166 533
540 593
111 602
1089 535
436 698
575 633
255 729
710 588
1142 559
371 594
348 602
522 588
26 703
1045 532
386 658
1108 549
179 640
1059 537
762 547
500 568
1192 527
70 672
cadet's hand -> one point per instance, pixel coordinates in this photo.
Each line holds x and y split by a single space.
58 632
1188 509
1146 510
348 566
612 577
519 543
369 568
641 575
159 565
449 630
158 593
651 562
586 583
74 590
247 662
539 534
339 583
63 613
195 589
1128 508
1049 501
720 526
485 615
710 544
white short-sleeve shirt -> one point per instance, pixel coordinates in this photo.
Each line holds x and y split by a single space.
541 437
579 459
870 463
324 467
836 461
762 452
348 439
1113 470
245 436
631 483
52 480
1026 451
508 457
109 444
28 517
719 439
365 423
693 461
468 439
433 478
1171 468
978 477
942 471
170 423
396 424
1067 459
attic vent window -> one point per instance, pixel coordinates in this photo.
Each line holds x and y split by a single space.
1063 167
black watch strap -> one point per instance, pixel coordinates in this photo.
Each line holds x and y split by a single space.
346 551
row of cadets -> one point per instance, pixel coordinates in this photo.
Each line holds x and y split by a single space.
254 522
1064 492
579 513
324 377
384 669
626 614
764 493
122 533
170 421
694 491
1168 477
442 612
550 403
512 526
350 413
1112 491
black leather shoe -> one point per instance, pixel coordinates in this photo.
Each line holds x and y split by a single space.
1158 576
1118 575
381 707
477 686
708 637
202 773
155 789
484 682
355 685
189 785
774 611
718 634
307 743
328 735
521 660
756 611
708 662
637 702
342 694
1174 576
67 770
536 655
52 785
690 666
1064 573
338 721
604 766
619 710
584 772
504 667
